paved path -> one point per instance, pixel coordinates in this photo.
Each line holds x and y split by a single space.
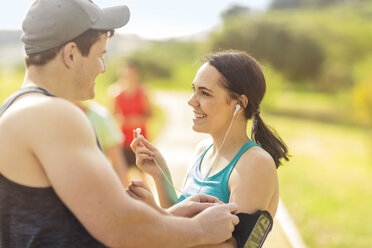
177 141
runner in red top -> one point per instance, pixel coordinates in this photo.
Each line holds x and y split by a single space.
132 107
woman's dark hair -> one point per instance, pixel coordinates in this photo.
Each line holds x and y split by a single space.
242 75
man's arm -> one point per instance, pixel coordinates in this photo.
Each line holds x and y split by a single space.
62 139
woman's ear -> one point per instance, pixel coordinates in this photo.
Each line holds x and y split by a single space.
69 54
243 101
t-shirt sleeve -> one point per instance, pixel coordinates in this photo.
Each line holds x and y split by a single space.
111 134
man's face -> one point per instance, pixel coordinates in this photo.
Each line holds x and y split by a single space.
89 68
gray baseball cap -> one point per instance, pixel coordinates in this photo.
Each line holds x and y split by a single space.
50 23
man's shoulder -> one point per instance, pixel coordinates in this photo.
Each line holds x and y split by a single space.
36 109
37 121
48 107
59 113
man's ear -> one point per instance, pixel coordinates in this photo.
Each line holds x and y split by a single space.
69 53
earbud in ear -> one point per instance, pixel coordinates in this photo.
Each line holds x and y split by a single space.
237 107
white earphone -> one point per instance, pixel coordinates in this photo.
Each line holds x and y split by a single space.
237 107
138 132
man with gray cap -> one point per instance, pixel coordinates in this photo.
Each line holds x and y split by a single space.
57 189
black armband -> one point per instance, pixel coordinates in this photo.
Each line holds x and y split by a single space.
252 229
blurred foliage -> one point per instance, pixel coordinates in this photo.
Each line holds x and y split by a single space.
307 52
288 4
362 92
166 61
362 99
234 11
296 55
316 47
11 79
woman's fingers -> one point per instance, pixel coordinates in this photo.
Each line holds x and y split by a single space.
147 143
142 158
144 141
138 143
140 183
135 134
134 145
142 192
139 191
133 195
144 150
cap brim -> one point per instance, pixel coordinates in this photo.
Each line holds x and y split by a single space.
112 18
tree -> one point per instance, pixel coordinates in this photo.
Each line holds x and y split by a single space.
234 10
297 55
289 4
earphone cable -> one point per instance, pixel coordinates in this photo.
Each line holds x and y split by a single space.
218 151
167 179
210 169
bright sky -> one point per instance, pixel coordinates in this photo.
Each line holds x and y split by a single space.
155 19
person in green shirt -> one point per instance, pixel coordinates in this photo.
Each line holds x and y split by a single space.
109 137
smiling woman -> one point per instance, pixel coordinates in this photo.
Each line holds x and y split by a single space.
227 92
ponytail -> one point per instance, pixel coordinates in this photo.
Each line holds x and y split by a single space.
269 140
242 75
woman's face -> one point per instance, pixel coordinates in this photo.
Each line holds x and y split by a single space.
212 109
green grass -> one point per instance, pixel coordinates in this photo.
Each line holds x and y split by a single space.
10 81
312 105
326 185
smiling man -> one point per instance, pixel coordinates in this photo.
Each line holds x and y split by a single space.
57 189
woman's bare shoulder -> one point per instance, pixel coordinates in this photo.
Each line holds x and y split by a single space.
256 166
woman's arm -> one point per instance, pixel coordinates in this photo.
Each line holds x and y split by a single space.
252 185
146 155
254 182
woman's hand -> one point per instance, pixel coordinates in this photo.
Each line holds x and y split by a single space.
145 155
140 191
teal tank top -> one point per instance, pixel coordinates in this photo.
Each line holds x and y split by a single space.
215 185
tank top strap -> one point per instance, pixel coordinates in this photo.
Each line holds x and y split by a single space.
200 159
205 152
236 158
27 90
22 91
